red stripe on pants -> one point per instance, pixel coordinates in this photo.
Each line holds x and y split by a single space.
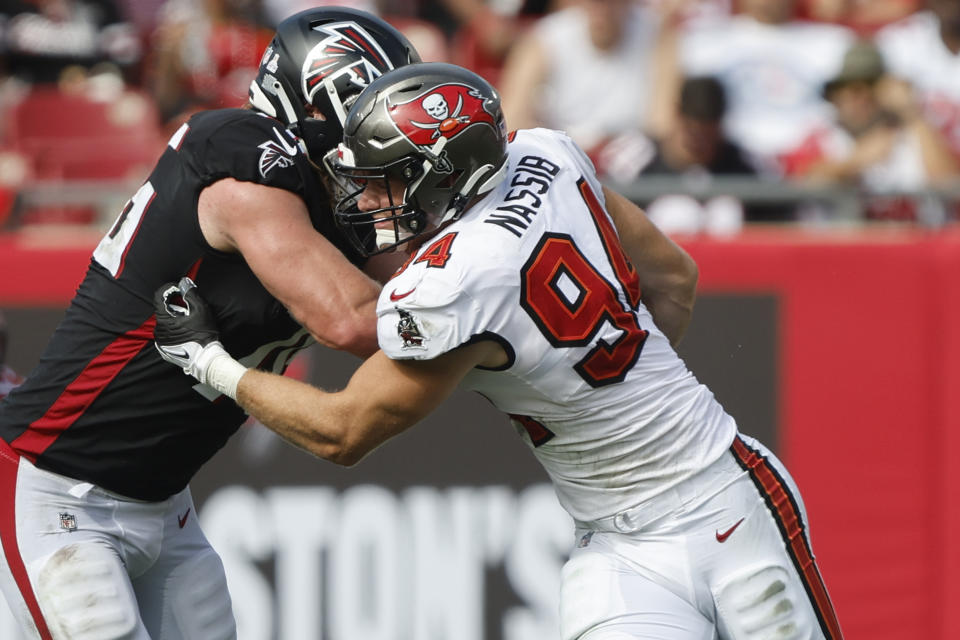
784 510
9 465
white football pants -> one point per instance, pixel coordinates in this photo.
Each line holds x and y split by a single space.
725 555
81 563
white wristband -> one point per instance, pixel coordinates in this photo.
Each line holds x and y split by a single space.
215 367
224 373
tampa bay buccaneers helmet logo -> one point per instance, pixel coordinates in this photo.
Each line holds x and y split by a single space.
443 111
346 51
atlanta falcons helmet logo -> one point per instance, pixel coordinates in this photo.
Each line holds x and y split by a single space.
348 50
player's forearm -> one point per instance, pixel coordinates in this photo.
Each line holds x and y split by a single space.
309 418
669 290
672 313
342 427
353 328
339 310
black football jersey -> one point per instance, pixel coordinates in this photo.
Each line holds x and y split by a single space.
101 405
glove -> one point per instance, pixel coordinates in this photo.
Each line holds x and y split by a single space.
186 335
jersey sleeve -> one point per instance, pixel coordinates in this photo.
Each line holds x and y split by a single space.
434 311
582 164
250 148
425 326
576 160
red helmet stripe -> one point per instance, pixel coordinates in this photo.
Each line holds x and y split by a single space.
358 39
337 48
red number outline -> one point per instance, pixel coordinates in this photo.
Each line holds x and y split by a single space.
438 253
576 323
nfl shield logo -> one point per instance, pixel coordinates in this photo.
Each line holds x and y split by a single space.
68 522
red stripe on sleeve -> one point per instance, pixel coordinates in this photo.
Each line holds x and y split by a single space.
80 394
192 273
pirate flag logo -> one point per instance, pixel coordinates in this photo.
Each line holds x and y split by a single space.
444 111
408 331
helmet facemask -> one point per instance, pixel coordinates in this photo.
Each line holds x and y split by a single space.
435 132
381 228
434 192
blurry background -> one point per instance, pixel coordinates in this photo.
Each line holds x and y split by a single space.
806 152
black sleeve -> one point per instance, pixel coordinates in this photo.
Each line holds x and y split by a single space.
248 147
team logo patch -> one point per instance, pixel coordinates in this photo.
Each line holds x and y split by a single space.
444 111
347 50
68 521
276 153
409 331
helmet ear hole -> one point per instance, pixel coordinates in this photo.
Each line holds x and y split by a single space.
447 181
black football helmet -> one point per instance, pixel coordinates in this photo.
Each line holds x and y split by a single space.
435 127
324 57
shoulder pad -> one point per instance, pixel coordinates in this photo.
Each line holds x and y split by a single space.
245 145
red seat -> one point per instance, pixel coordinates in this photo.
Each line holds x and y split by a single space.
72 136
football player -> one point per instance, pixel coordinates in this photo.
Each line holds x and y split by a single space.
555 298
99 533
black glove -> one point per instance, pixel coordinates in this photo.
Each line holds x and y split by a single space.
186 331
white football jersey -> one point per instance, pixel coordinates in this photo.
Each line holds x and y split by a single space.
592 384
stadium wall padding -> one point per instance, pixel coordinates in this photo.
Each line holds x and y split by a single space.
840 349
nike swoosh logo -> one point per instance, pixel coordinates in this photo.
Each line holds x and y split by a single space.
178 354
722 537
182 520
394 296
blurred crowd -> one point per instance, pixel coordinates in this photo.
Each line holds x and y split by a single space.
861 95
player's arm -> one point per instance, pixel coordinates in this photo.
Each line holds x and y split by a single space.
667 273
271 228
383 398
382 266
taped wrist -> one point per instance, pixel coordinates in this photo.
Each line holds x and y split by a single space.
216 368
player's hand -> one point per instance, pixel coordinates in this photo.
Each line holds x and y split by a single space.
186 331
